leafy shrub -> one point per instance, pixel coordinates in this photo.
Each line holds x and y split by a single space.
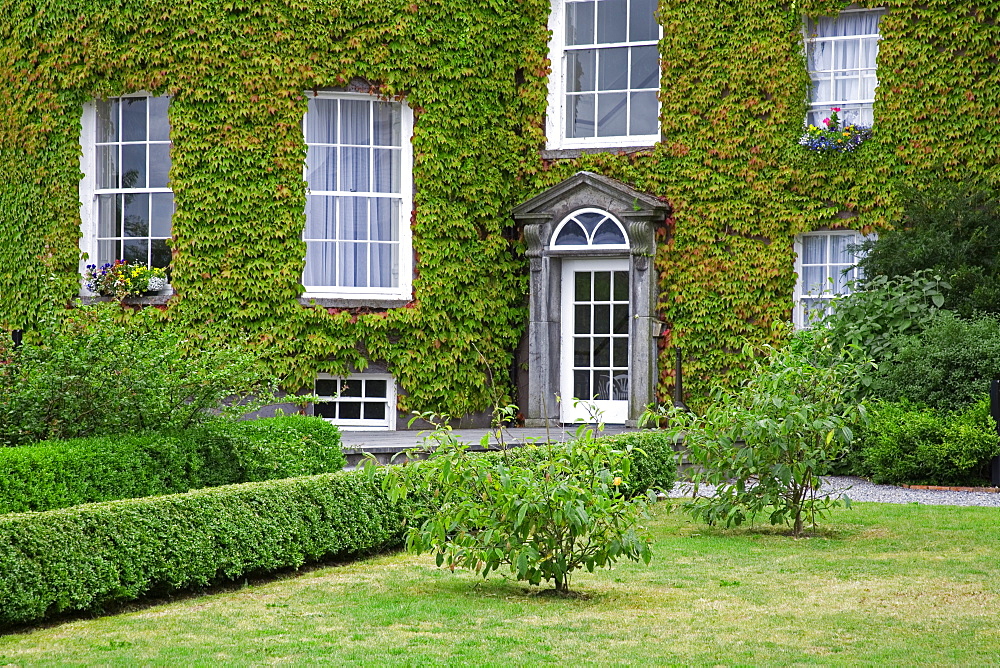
765 445
953 231
904 443
57 474
947 366
91 374
84 557
881 310
544 511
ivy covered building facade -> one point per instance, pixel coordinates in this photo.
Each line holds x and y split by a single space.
434 206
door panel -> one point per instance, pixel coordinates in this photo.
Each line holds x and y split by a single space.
595 340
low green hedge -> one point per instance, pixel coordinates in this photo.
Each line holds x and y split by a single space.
58 474
81 558
906 443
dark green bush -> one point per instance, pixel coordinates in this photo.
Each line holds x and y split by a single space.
954 231
947 366
84 557
904 443
97 373
57 474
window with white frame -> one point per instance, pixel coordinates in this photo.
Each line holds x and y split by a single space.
359 401
605 74
358 171
841 52
826 265
126 203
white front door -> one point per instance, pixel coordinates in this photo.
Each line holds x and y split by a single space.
594 374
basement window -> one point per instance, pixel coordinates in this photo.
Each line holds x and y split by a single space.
363 402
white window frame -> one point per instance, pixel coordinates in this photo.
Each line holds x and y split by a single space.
405 288
572 218
799 310
823 108
555 120
362 424
88 188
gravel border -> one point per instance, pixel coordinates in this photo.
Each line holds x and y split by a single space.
859 489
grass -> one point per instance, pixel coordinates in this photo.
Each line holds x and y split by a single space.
881 584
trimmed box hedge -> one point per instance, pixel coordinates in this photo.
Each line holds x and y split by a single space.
81 558
59 474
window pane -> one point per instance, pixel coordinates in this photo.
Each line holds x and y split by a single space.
384 264
644 114
321 121
162 210
133 166
108 216
620 352
814 280
571 235
612 114
321 264
353 218
580 116
321 217
353 265
375 411
159 165
159 127
384 219
354 169
609 233
350 387
645 67
107 166
321 168
612 19
581 385
327 387
108 251
579 23
326 410
376 388
602 286
839 252
349 410
581 319
602 351
580 70
355 122
621 319
581 351
642 24
133 119
136 251
387 163
612 69
814 249
582 286
159 253
137 215
388 122
602 319
107 120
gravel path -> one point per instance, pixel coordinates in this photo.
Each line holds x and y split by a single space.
859 489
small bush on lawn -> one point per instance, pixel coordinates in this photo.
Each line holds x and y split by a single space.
91 374
765 445
948 366
543 511
88 556
906 443
57 474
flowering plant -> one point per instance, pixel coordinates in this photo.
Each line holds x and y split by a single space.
833 137
119 279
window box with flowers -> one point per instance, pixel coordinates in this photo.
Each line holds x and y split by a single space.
120 279
833 136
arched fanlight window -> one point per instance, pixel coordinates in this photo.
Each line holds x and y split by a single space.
590 227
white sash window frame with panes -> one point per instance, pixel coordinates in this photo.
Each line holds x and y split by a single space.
841 52
824 269
605 80
357 402
126 203
357 232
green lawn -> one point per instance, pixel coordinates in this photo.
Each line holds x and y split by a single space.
898 585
